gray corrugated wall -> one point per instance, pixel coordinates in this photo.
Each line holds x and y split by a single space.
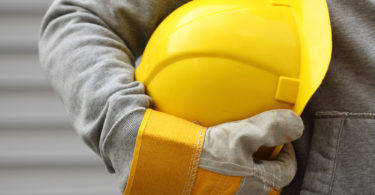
40 154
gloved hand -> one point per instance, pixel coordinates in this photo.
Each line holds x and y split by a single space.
229 147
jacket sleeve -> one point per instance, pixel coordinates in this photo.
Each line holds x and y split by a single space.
87 49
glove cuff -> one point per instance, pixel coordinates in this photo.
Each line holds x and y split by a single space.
166 155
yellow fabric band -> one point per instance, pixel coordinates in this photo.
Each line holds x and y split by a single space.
208 182
166 155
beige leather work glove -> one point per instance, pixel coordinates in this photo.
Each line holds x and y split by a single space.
229 147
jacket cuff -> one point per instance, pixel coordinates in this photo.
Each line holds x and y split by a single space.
118 146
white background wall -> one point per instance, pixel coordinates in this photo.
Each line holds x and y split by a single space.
40 154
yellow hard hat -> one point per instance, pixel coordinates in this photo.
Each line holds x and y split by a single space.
214 61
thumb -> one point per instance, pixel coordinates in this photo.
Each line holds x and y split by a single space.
279 172
281 126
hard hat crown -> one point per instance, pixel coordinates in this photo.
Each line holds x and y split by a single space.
218 61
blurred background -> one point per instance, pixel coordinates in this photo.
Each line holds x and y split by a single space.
40 154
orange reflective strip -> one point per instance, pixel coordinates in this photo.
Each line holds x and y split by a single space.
166 155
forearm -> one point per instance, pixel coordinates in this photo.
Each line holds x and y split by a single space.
87 49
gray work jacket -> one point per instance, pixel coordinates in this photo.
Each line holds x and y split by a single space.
88 49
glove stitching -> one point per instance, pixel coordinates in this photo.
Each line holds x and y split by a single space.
194 160
252 173
217 184
225 162
243 182
225 182
262 175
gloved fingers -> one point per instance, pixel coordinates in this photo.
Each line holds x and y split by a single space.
270 128
252 186
263 175
279 127
279 172
228 148
224 153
